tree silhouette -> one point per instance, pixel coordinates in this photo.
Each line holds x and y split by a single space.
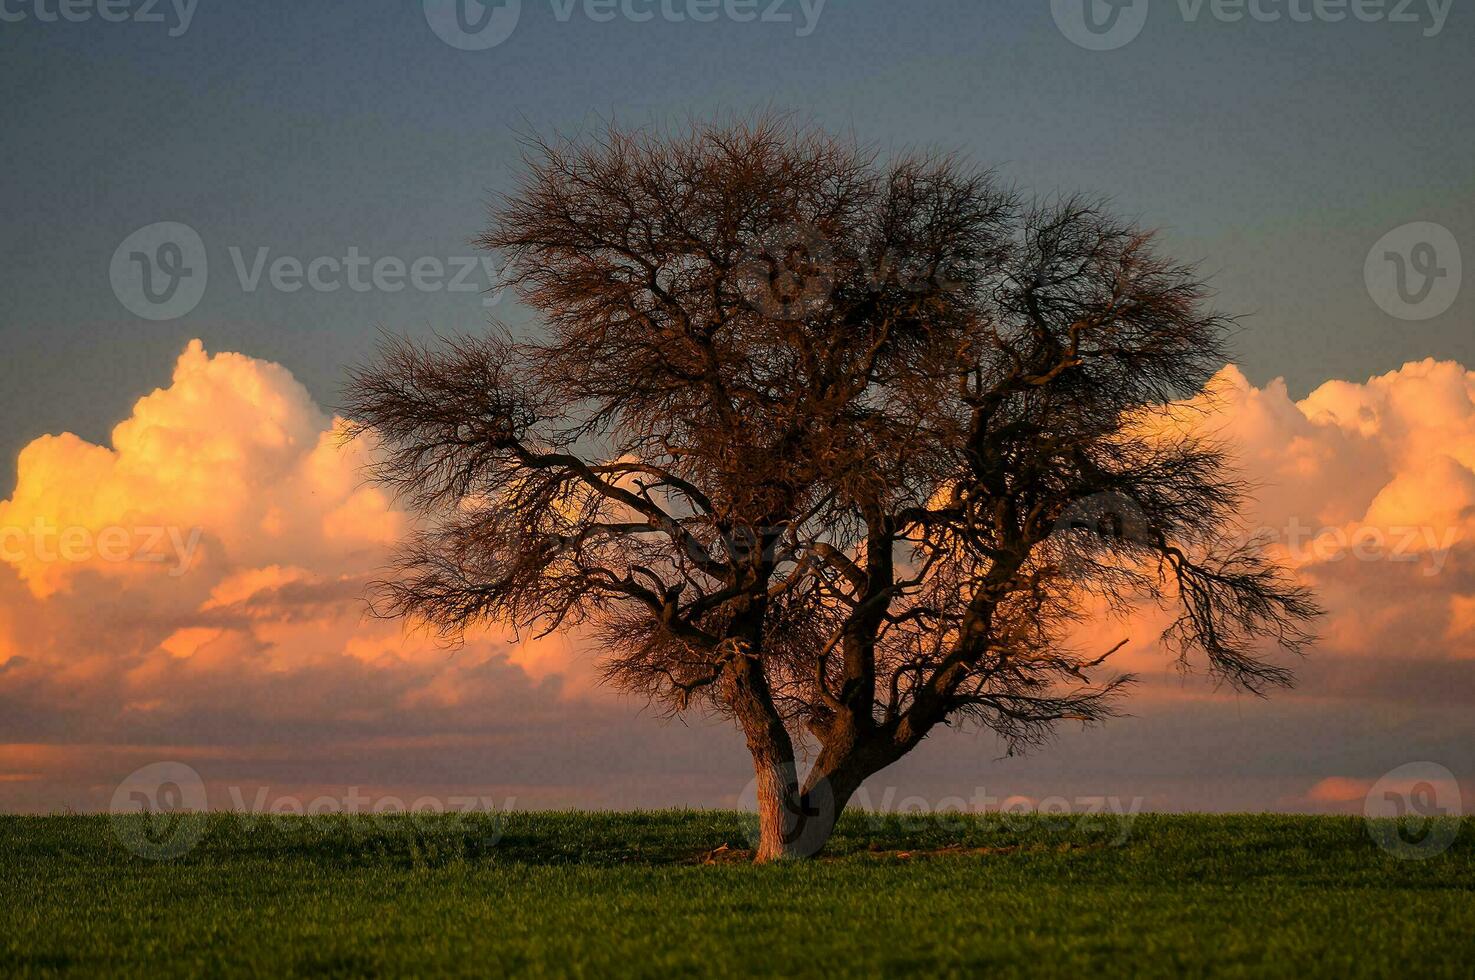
833 446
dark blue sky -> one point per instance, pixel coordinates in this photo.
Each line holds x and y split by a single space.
1276 153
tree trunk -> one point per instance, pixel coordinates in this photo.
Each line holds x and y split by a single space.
778 799
795 822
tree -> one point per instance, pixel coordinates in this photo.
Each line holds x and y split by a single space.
829 445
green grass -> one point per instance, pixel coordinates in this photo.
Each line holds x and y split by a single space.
626 894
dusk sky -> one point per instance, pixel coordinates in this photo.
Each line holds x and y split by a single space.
224 627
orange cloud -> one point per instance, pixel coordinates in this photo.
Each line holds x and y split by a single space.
195 586
1365 491
1335 790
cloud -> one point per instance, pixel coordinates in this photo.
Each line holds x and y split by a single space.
192 590
197 585
1339 791
1372 490
1366 492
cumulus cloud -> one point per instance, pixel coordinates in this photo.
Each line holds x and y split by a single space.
192 589
1369 490
196 586
230 469
1366 492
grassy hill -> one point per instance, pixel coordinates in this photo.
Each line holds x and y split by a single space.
642 894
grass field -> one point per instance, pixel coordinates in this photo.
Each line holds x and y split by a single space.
630 894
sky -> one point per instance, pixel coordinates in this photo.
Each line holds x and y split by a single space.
1288 152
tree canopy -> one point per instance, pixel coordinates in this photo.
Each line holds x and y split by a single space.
831 444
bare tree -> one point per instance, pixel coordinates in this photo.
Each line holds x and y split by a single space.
829 445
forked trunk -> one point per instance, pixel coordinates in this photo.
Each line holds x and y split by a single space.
793 821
